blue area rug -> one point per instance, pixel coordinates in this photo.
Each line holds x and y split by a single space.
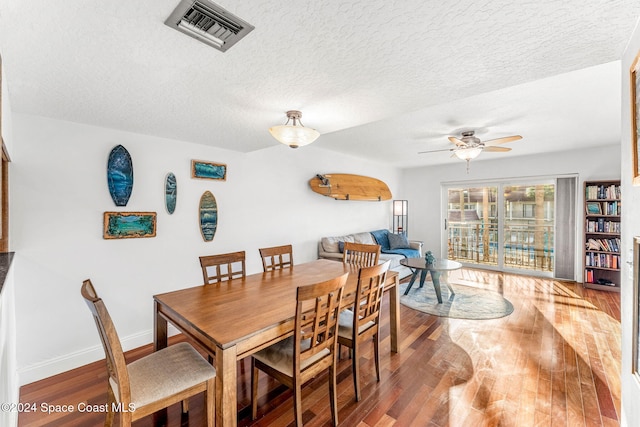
467 303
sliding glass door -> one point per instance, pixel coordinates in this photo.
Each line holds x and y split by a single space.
503 225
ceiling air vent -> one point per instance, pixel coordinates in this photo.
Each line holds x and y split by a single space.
209 23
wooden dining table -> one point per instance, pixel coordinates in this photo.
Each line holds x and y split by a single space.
239 317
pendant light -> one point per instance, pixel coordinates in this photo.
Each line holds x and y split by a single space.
294 135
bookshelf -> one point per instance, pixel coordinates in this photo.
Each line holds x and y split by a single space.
602 207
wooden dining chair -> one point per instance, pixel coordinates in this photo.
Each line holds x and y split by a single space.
276 257
360 254
153 382
353 330
223 266
311 350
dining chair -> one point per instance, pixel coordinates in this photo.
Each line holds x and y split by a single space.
155 381
224 267
360 254
276 257
311 350
353 329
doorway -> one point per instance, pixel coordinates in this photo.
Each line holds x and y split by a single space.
507 225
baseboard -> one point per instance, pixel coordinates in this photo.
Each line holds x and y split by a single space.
57 365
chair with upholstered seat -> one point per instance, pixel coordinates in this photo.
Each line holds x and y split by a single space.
362 255
276 257
154 382
310 351
354 329
223 267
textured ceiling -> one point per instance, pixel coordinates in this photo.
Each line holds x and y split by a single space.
377 78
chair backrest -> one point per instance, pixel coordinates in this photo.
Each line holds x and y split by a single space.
371 282
317 312
276 257
116 363
360 254
222 267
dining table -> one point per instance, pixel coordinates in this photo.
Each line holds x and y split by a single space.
236 318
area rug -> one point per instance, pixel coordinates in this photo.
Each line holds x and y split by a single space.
467 303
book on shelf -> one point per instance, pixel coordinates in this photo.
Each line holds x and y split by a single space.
607 245
595 192
600 260
602 226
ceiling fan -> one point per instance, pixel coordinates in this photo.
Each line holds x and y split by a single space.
470 146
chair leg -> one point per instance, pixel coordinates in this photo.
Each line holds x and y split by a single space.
254 389
332 395
355 362
297 403
376 354
210 402
111 399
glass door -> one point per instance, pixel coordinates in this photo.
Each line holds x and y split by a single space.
503 225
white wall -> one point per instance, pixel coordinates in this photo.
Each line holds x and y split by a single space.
58 196
9 383
422 186
630 227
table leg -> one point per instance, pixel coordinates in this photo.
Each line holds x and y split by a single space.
423 276
226 387
394 315
413 279
435 276
446 282
160 339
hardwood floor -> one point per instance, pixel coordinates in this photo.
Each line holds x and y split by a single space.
555 361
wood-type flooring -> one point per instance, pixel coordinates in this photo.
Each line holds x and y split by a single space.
555 361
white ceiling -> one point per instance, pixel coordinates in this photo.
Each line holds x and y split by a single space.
377 78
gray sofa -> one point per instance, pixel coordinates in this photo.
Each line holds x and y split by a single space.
329 248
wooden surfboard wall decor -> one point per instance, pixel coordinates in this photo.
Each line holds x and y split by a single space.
343 186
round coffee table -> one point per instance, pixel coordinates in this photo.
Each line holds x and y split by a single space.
436 269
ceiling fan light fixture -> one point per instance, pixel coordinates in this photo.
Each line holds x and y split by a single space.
468 153
294 135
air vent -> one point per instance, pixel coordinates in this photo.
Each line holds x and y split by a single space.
209 23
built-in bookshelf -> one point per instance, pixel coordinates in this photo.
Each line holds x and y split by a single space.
602 207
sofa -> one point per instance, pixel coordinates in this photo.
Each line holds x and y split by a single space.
390 248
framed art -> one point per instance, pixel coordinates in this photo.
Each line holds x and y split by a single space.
129 225
208 170
635 360
635 120
593 208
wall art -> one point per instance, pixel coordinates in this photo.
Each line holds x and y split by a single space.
120 175
208 216
635 360
129 225
208 170
635 120
170 192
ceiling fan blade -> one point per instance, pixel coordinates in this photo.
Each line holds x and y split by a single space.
499 141
435 151
457 141
496 149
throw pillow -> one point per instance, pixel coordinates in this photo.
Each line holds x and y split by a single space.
341 247
398 241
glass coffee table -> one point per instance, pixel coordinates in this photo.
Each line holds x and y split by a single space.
436 269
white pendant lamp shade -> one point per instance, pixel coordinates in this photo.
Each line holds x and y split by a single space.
295 135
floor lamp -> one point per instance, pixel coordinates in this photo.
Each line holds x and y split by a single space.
401 217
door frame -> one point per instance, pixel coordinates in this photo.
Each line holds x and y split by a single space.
500 183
